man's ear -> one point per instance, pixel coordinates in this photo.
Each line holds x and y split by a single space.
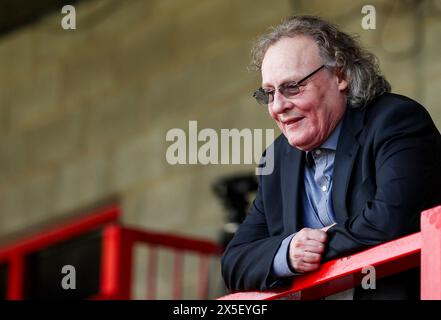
342 83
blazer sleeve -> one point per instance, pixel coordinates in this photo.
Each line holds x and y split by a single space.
406 154
247 261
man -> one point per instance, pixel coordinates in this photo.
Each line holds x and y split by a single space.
354 167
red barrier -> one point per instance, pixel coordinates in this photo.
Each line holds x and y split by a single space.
117 256
14 254
389 258
117 260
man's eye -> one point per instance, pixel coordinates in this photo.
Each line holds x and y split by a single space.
291 88
268 92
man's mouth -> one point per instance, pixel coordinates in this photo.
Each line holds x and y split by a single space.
291 121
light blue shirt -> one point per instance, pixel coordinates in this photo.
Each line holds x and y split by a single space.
318 211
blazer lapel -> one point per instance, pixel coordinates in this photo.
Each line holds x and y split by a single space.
291 186
347 149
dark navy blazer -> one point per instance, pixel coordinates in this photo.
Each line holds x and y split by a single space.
387 170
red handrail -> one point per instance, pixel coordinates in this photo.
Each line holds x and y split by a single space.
70 228
423 248
14 254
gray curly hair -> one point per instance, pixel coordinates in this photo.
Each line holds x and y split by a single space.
338 49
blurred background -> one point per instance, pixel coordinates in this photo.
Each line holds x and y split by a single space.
84 113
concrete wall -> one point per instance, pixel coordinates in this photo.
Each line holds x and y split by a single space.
84 113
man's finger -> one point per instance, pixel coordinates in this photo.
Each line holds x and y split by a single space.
314 243
307 267
313 254
316 234
311 257
314 249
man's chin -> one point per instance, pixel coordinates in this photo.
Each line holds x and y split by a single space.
295 143
299 144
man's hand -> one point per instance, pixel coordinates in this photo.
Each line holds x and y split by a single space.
306 249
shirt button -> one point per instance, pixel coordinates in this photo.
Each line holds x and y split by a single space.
324 188
318 152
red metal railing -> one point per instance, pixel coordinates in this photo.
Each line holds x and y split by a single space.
117 249
14 254
117 261
422 248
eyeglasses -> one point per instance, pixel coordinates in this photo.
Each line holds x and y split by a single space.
288 89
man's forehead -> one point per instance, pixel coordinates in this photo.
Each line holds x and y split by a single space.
288 59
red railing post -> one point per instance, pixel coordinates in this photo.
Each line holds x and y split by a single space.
203 276
116 264
177 275
431 254
152 272
15 277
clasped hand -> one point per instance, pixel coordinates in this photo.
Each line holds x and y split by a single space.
306 249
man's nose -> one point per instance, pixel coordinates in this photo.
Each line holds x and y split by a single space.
280 103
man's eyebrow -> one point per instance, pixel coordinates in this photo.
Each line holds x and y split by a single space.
288 79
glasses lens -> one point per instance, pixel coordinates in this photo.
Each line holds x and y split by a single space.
290 89
261 96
